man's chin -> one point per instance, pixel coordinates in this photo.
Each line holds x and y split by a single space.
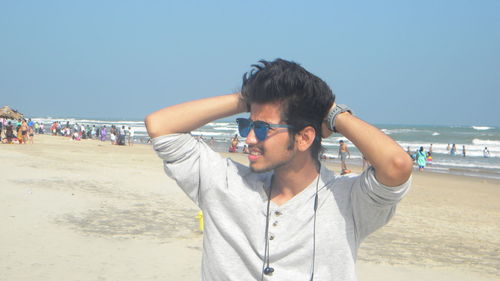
259 170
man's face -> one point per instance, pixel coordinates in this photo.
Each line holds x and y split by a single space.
274 151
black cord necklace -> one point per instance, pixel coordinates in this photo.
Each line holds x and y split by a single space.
266 269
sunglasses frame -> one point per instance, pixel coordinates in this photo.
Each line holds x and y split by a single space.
260 128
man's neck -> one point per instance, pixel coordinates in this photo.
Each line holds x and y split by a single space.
291 179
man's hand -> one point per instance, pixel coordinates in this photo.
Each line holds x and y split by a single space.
392 165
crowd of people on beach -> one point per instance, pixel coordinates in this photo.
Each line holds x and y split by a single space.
23 131
117 135
19 131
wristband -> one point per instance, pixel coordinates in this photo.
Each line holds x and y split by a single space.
334 112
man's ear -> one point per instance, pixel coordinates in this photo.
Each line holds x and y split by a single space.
305 138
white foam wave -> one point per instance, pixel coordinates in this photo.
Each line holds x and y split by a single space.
464 165
218 124
486 142
481 128
336 156
223 129
205 133
436 134
398 131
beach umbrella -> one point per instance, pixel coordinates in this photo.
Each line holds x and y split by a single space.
9 113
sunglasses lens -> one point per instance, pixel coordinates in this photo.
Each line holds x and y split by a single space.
260 130
243 126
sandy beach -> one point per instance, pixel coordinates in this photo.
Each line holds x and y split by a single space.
88 210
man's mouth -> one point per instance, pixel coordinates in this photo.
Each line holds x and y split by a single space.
254 154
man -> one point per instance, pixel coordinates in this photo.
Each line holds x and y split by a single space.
285 217
343 153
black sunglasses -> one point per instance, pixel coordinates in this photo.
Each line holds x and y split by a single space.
260 128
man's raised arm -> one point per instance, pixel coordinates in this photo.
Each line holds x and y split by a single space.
392 165
188 116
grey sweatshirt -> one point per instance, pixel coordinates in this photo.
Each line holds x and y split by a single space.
234 204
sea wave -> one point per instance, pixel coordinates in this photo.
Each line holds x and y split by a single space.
481 128
399 131
336 156
209 134
223 129
486 142
453 164
218 124
86 121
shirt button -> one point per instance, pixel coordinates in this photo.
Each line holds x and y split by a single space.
277 213
271 237
275 223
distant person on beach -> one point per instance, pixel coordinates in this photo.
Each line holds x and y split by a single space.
98 133
113 137
103 133
408 151
421 159
343 153
121 137
20 137
285 216
486 153
245 149
9 132
24 132
448 147
453 150
211 142
463 150
31 134
234 144
430 148
93 132
131 134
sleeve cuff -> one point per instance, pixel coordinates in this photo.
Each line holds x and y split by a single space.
173 147
380 193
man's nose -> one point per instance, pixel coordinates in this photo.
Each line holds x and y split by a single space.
251 138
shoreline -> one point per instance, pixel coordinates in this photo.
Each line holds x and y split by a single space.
356 165
95 211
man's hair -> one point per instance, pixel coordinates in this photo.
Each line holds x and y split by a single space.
305 98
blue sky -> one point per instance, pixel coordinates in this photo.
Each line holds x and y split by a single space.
396 62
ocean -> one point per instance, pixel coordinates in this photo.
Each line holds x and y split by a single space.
474 138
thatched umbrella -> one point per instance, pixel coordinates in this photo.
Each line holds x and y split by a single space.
9 113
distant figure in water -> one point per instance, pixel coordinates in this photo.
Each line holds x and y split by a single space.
421 159
429 159
463 150
486 153
453 150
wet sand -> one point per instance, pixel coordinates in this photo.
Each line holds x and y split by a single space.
88 210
